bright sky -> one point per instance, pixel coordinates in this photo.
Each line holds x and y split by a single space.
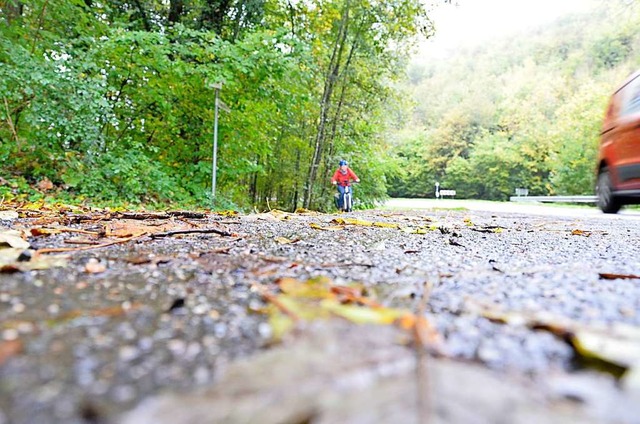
467 22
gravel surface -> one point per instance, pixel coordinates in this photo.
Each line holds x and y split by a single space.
171 313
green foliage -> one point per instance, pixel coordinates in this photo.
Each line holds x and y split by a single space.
114 101
518 113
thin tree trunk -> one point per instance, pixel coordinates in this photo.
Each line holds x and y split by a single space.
176 9
13 9
325 105
143 15
336 118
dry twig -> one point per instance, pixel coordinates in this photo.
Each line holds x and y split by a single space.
193 231
97 246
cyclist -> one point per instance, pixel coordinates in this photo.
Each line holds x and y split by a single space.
342 178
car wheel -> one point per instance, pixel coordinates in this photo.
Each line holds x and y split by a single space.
607 201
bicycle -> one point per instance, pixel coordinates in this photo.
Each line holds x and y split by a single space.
347 199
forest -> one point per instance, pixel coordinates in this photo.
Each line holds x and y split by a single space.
113 102
519 113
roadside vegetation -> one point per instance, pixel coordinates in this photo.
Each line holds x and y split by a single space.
113 101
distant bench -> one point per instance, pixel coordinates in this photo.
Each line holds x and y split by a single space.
444 193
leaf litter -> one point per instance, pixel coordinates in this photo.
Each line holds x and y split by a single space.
295 301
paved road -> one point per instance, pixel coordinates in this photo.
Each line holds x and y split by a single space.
119 324
511 207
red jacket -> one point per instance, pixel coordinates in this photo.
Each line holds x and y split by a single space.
344 179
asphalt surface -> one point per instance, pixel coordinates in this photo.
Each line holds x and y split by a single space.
170 314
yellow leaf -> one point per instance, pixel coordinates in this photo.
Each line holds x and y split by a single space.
314 288
329 228
580 233
280 325
352 221
410 230
363 315
385 225
227 214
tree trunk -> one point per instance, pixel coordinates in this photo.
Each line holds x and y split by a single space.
214 15
336 117
325 105
176 9
13 9
143 15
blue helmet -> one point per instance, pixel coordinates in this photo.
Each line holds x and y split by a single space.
343 162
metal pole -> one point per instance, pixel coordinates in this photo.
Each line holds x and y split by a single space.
215 149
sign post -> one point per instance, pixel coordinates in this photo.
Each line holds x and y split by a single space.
217 87
437 190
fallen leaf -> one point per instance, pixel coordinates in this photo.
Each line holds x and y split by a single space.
284 240
9 348
329 228
410 230
319 298
385 225
604 276
13 238
44 231
363 315
614 349
352 221
8 215
21 260
110 311
227 214
580 233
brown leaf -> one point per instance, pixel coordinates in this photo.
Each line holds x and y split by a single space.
13 238
580 233
111 311
604 276
10 348
44 231
425 334
284 240
45 184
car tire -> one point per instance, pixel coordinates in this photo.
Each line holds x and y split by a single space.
607 201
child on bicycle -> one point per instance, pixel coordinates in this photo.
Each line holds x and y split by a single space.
342 178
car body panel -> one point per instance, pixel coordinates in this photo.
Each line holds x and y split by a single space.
619 151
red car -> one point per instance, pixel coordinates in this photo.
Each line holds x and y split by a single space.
618 181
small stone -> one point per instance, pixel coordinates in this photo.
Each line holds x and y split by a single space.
128 353
18 308
177 346
124 393
10 334
265 330
200 309
53 309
